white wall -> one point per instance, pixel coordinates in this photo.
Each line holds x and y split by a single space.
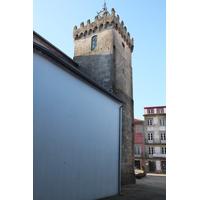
75 136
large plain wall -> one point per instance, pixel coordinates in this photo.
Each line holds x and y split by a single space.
75 136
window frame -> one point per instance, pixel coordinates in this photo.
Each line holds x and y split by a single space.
150 150
150 136
163 150
149 122
162 122
138 150
160 110
150 111
163 136
93 42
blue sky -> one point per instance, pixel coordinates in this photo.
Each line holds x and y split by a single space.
145 21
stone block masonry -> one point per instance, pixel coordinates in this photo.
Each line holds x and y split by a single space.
109 64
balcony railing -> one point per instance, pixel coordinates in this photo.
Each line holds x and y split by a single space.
155 155
155 141
159 155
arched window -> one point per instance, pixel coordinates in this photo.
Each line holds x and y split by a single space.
94 42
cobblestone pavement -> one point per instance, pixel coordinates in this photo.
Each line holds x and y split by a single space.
152 186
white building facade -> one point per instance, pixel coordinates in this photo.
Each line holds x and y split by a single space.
155 138
76 132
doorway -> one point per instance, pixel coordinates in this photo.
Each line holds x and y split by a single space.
152 166
163 166
137 164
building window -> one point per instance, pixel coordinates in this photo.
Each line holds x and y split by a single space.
138 150
149 122
150 111
162 136
162 121
151 150
160 110
94 42
163 150
150 136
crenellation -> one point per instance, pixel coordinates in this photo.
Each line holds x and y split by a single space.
88 21
122 24
117 18
82 24
113 12
104 22
104 15
96 18
125 29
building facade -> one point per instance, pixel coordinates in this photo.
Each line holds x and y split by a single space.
76 130
103 51
155 138
139 143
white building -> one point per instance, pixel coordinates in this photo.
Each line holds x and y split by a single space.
76 130
155 138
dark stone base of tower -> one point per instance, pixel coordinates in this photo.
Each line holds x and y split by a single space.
109 64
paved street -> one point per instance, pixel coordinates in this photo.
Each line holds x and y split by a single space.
152 186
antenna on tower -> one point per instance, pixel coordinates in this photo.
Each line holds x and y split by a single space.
104 10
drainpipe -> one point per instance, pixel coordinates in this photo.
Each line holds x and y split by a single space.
120 142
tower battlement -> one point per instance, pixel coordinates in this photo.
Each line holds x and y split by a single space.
102 23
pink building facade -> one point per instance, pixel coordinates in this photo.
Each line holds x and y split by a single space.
139 148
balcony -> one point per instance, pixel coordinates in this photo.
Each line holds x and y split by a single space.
159 155
155 141
155 155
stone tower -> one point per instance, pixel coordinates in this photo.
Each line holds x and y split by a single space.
103 51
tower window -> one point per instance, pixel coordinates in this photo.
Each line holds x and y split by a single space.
94 42
123 45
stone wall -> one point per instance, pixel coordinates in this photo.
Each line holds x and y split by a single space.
97 64
123 89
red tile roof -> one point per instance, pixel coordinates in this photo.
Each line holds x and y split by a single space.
138 120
